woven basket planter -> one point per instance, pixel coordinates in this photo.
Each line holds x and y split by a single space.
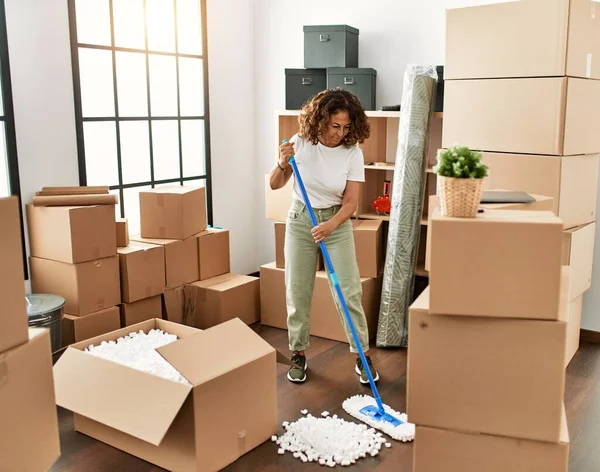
460 198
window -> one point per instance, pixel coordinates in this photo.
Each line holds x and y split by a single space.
141 96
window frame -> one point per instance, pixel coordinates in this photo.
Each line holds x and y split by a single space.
80 119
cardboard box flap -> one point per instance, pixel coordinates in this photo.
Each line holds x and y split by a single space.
219 279
160 242
134 402
211 353
367 225
135 246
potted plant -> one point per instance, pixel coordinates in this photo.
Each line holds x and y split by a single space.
460 181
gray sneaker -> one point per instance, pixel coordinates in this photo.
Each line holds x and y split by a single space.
298 374
359 369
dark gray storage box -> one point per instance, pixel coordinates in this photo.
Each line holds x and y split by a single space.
439 97
301 84
360 81
330 46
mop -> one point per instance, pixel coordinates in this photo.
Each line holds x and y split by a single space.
370 410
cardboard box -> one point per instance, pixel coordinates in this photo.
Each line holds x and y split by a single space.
500 264
179 304
279 248
554 116
278 202
368 242
142 310
72 234
172 212
29 426
200 427
541 203
325 319
181 259
226 297
213 253
438 450
578 253
86 287
14 320
531 38
142 271
486 375
122 232
572 181
573 328
80 328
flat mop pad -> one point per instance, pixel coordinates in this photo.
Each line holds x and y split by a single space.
404 432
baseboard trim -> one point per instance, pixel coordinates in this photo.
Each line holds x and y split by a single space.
589 336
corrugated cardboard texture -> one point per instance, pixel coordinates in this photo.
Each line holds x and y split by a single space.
578 253
181 259
79 328
86 287
572 181
547 115
532 38
325 319
280 245
72 234
213 253
486 375
438 450
172 212
29 426
368 242
500 264
573 328
122 232
142 269
226 297
278 202
13 322
142 310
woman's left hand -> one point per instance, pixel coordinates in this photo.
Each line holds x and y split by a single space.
323 230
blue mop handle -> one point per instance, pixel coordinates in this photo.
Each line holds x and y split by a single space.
336 284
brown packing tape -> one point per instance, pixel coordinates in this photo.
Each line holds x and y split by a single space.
160 199
189 305
74 200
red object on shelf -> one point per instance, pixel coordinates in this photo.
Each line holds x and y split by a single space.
382 204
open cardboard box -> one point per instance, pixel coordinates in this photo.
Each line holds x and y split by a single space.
202 427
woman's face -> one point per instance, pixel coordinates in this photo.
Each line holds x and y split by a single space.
337 128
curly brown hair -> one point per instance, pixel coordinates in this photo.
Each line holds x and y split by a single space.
318 110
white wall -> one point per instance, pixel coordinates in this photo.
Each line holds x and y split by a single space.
42 87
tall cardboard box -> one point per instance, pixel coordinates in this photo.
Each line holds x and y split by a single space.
172 212
202 426
142 310
278 202
578 253
499 264
122 232
573 328
181 259
226 297
72 234
29 426
86 287
14 320
531 38
504 377
368 242
142 268
79 328
438 450
555 116
213 253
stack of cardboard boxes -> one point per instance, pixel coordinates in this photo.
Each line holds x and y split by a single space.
29 426
176 254
74 254
487 343
523 86
325 321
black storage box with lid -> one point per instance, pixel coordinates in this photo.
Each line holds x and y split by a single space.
439 99
360 81
330 46
301 84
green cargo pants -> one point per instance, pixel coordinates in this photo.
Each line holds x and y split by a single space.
301 254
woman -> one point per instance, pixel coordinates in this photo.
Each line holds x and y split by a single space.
331 164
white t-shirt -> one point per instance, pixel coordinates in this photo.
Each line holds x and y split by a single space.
325 171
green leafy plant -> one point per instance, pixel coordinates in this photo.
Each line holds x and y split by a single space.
460 162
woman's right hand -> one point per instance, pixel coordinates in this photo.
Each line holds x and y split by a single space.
286 151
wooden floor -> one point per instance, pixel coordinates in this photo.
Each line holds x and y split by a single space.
332 379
